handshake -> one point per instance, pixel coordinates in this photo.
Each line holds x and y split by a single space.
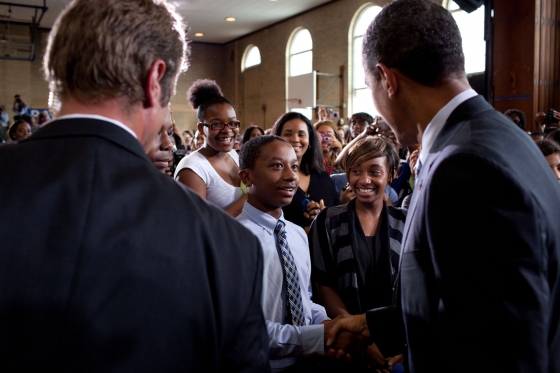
348 336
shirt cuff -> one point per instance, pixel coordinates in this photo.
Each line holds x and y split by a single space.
313 339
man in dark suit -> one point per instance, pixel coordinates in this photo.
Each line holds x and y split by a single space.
480 270
105 263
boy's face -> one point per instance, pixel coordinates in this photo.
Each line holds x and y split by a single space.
274 180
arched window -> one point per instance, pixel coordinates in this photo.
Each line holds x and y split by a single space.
252 57
471 26
360 99
300 61
301 53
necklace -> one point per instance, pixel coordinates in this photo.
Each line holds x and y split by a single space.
328 167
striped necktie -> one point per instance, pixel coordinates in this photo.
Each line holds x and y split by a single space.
294 299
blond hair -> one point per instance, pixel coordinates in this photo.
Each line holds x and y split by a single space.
103 49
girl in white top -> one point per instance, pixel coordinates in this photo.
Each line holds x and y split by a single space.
212 171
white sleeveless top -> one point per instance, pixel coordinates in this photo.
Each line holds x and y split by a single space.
218 191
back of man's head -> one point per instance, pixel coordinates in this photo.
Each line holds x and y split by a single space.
419 38
103 49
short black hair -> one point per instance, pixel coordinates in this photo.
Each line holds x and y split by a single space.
520 114
364 117
312 160
252 149
553 135
548 147
419 38
13 128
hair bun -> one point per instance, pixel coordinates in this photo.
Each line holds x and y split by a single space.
203 90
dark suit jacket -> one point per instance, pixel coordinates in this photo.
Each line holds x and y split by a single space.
480 273
108 265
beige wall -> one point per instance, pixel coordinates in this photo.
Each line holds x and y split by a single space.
206 61
329 26
265 84
24 77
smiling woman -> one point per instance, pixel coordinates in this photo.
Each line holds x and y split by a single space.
212 170
355 247
316 189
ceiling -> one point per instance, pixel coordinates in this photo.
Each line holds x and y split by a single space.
205 16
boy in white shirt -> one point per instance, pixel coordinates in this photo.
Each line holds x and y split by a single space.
296 326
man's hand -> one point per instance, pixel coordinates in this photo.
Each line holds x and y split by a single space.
374 357
371 129
322 113
313 208
347 344
355 324
346 194
335 147
412 160
540 119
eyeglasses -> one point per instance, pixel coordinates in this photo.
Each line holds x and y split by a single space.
219 126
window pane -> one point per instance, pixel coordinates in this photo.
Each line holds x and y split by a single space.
301 63
307 112
360 93
471 26
363 102
301 42
451 6
365 19
359 78
253 57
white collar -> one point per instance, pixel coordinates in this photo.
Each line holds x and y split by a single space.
99 117
436 124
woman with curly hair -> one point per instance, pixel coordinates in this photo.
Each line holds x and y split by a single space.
212 170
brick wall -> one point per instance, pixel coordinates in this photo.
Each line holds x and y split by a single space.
265 84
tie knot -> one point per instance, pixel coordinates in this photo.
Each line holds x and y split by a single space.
279 227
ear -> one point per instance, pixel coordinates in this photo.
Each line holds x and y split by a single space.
201 128
388 79
153 88
245 176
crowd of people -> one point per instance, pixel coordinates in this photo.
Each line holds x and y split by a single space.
424 239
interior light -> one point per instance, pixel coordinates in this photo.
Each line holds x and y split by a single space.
231 19
198 34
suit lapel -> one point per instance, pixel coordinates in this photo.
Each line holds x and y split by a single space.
465 111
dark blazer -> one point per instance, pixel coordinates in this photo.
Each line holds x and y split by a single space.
480 270
108 265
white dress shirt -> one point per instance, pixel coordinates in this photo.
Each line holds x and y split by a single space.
98 117
286 341
436 124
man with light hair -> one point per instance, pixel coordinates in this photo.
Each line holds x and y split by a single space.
105 263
